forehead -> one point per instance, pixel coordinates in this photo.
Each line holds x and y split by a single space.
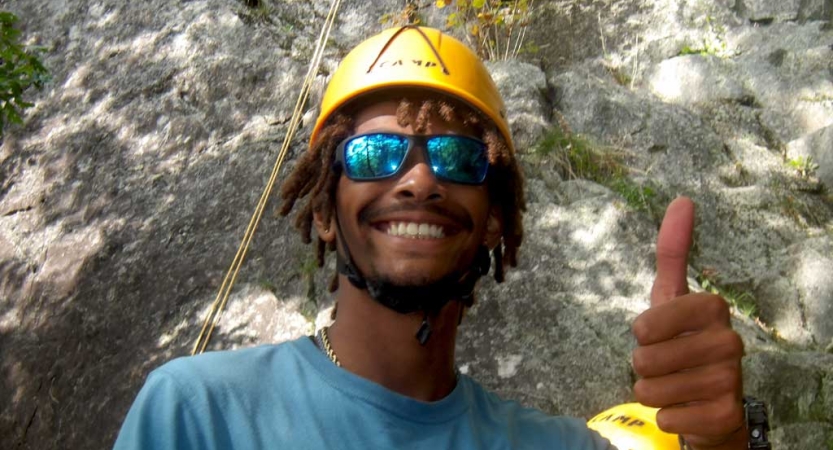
376 111
386 114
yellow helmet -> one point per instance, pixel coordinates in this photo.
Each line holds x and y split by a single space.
412 56
632 426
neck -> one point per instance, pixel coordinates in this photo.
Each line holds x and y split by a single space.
380 345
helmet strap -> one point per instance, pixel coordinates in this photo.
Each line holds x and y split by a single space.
345 265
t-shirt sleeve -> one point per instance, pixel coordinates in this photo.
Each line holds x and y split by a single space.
161 418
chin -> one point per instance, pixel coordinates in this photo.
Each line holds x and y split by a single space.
410 276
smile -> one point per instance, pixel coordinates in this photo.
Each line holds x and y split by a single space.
414 230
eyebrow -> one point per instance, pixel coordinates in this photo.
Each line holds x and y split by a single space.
388 130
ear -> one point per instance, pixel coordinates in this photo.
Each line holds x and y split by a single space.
326 230
494 227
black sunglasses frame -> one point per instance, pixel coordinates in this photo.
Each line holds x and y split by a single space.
414 140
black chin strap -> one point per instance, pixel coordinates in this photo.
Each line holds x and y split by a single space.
407 300
345 265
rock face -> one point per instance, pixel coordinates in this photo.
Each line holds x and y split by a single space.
741 126
815 147
529 100
767 10
124 198
125 193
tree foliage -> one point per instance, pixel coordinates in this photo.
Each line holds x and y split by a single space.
495 28
20 69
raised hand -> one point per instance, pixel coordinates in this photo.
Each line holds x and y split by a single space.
688 356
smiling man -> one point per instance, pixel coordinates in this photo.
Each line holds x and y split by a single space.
411 179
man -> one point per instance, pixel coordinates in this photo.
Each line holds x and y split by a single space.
411 178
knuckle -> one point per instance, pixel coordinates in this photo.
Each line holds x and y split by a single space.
666 422
641 330
734 344
728 345
728 415
640 361
641 392
727 380
717 307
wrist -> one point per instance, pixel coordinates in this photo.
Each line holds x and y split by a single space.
752 435
737 440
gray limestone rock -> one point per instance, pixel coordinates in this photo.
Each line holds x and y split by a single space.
796 385
767 11
125 193
780 305
797 388
817 150
133 180
712 146
787 69
668 143
597 107
797 299
565 312
547 350
630 35
763 10
802 436
695 79
813 276
524 90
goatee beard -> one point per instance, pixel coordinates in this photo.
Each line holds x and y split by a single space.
408 298
428 298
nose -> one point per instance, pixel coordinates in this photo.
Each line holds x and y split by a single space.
417 182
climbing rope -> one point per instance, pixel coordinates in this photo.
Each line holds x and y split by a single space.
215 313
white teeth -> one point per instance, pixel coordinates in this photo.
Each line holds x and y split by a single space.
416 230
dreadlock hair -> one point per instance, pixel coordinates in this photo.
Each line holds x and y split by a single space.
314 176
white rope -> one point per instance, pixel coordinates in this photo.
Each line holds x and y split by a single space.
214 315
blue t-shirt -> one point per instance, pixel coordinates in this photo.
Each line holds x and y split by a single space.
291 396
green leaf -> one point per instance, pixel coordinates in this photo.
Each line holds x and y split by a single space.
20 69
451 21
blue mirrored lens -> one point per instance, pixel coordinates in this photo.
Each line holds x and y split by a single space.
374 156
458 158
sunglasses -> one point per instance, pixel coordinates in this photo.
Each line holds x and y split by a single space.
375 156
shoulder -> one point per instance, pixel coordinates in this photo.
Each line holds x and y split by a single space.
533 428
228 364
201 401
215 377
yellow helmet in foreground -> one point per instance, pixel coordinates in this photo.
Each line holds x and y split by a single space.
632 426
412 56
